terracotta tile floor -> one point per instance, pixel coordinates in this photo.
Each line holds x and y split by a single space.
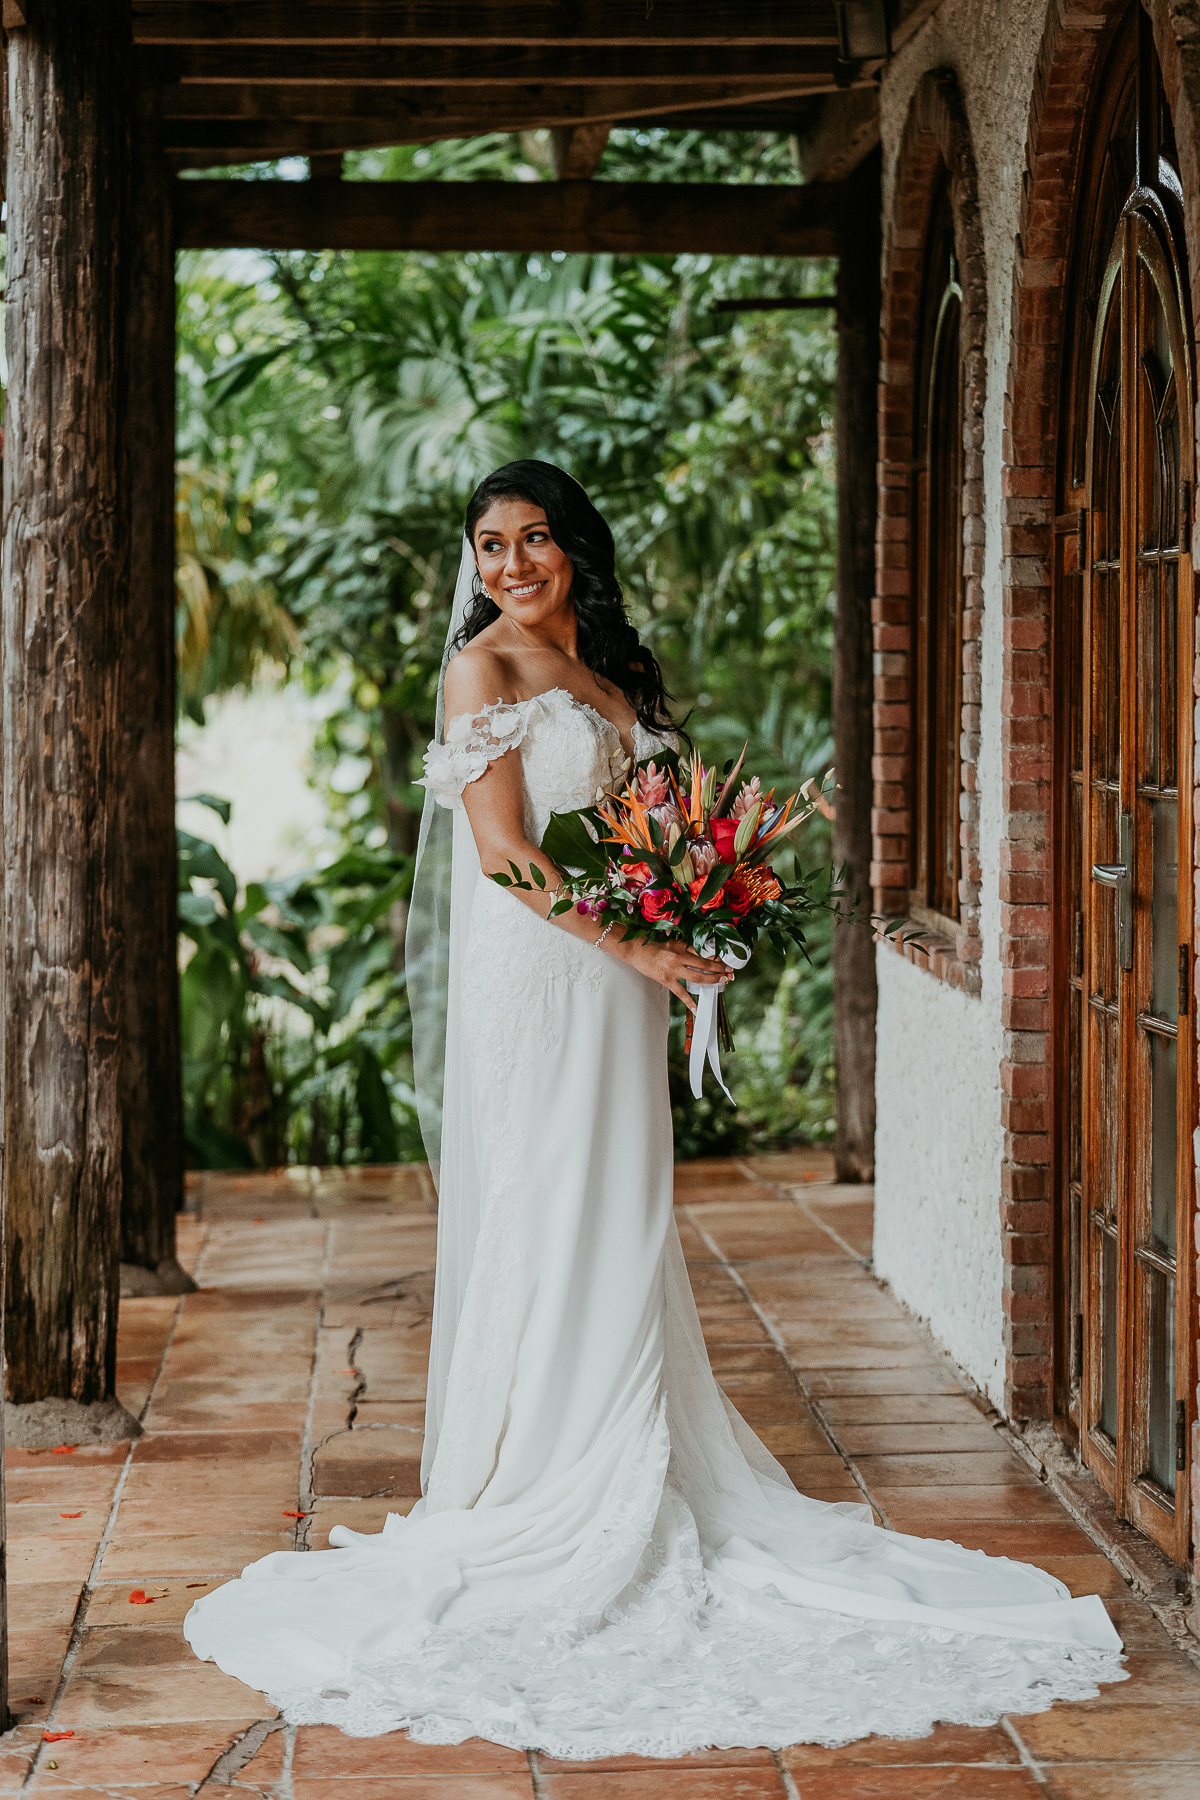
311 1322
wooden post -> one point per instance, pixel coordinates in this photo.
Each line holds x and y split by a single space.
64 580
152 1099
855 994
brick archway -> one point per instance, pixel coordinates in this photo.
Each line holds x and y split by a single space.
936 133
1073 46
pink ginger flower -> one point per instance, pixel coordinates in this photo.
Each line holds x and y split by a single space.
747 799
654 791
653 788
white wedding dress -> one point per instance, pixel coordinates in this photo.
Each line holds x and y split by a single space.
606 1560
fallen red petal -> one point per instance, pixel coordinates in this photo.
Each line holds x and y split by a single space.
55 1737
34 1700
140 1597
77 1515
293 1515
65 1450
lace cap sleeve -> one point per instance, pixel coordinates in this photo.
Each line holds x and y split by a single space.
470 742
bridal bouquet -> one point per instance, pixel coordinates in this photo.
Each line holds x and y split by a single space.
682 853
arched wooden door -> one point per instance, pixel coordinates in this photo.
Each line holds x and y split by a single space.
1135 1083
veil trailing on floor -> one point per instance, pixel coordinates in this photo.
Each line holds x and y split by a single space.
447 870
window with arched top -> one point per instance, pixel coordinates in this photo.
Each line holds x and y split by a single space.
1124 619
930 544
938 540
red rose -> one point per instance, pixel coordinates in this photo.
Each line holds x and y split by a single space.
659 906
738 897
723 832
716 899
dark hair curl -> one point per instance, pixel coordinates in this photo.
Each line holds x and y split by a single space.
608 643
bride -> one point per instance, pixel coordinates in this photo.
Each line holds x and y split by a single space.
605 1559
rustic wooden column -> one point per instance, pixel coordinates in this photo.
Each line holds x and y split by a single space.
64 579
855 994
152 1099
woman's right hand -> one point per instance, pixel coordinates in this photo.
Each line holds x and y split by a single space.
671 964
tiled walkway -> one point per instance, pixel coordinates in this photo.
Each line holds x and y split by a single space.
293 1382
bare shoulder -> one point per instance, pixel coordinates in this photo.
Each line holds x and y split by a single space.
478 676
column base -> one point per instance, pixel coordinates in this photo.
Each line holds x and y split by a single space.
45 1424
138 1283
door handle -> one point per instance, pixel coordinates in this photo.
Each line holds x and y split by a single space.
1119 877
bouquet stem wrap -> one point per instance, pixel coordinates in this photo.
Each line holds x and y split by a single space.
704 1026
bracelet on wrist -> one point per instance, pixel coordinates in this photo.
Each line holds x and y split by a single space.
609 927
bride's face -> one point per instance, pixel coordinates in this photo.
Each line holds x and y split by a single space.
520 565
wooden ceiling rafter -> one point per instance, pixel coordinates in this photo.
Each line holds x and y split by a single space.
333 104
474 23
624 218
483 65
430 114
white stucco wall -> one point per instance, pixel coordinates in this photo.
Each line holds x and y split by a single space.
939 1136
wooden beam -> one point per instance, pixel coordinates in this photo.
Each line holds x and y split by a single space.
152 1150
855 992
370 101
841 134
64 585
395 117
489 66
471 23
575 150
626 218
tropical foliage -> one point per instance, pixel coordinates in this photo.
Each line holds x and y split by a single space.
335 412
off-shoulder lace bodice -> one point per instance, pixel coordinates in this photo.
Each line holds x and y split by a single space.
568 751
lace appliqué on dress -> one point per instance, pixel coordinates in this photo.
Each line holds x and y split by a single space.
471 742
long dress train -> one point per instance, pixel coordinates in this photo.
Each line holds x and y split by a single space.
606 1560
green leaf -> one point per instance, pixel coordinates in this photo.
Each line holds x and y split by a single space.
281 989
256 901
201 861
568 843
241 371
197 909
536 876
714 881
222 808
286 942
352 965
379 1140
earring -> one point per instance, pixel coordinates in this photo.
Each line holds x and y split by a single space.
478 591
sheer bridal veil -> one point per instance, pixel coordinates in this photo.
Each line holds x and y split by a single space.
447 870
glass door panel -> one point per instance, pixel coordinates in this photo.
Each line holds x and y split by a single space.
1137 1060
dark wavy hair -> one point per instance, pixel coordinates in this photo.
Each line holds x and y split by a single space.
608 643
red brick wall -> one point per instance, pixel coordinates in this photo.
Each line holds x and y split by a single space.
936 133
1065 73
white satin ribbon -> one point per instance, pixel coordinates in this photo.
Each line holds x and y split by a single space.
704 1029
